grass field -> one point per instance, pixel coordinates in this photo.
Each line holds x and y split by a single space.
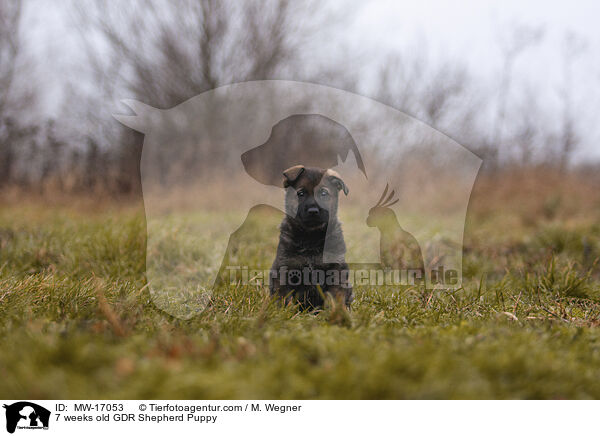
76 320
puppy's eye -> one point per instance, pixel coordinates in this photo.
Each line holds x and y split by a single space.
301 194
324 192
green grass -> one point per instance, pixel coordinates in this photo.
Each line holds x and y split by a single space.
77 321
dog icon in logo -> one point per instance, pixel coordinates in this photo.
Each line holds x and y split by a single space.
24 414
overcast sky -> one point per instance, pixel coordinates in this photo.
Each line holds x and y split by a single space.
468 31
472 33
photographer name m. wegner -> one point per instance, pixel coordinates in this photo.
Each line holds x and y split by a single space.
345 277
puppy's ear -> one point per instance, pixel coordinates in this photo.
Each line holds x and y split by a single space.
291 175
336 179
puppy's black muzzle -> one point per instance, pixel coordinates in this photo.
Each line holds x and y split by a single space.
312 215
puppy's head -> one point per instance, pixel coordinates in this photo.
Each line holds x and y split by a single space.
312 195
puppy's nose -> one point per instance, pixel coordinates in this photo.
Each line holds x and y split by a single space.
313 210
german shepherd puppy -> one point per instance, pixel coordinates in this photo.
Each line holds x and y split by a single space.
310 230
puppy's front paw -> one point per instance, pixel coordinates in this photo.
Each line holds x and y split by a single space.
341 295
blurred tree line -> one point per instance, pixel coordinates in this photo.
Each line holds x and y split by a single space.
163 53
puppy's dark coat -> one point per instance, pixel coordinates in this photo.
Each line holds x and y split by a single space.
309 227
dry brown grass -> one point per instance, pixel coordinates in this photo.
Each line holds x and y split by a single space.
535 194
525 195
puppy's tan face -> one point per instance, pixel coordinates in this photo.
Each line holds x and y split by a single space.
312 195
